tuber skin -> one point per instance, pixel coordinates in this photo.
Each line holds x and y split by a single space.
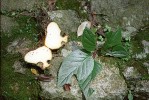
53 39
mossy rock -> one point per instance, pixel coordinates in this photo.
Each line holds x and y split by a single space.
17 86
71 5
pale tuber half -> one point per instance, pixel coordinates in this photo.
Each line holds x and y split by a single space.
41 57
53 39
53 29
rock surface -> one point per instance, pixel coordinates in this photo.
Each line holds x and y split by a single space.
142 86
145 51
50 90
19 46
7 23
71 46
18 67
124 13
67 20
107 85
131 73
142 90
11 5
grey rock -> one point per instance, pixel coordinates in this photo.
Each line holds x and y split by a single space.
16 5
130 73
129 32
51 91
74 45
142 86
19 46
145 51
108 85
124 13
142 90
55 65
69 47
18 67
67 20
7 24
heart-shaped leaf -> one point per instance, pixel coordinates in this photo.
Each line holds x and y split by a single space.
79 63
89 40
112 39
113 45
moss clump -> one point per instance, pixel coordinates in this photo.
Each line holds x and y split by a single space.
137 46
68 4
16 86
27 28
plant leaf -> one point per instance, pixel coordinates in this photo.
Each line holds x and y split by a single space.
112 39
130 96
88 40
84 83
118 51
79 63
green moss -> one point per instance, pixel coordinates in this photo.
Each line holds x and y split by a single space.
137 46
16 86
27 28
68 4
71 5
138 65
145 77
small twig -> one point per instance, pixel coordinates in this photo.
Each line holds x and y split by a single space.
94 54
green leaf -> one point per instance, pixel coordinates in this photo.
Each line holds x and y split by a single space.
113 45
96 70
79 63
89 40
118 51
130 96
84 83
112 39
83 66
87 91
94 30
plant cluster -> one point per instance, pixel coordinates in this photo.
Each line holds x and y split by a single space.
82 63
